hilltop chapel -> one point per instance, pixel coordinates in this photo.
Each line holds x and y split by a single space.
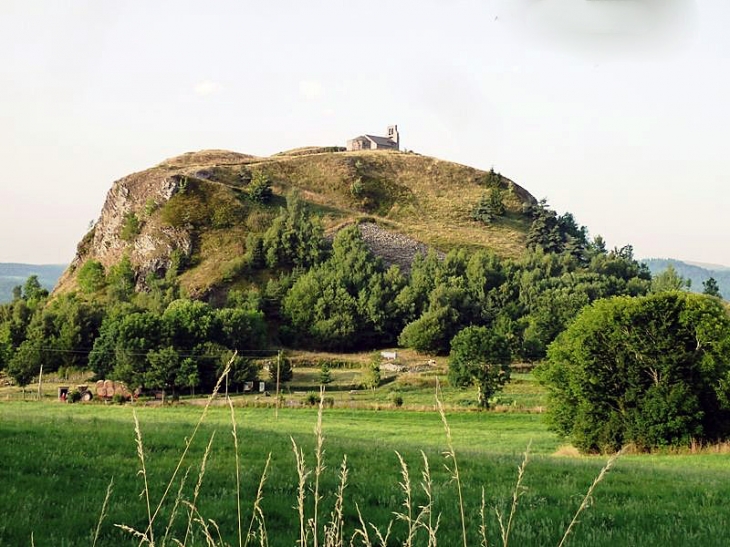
371 142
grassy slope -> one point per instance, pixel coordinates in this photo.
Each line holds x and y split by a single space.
58 460
422 197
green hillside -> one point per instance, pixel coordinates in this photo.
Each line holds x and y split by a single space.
199 205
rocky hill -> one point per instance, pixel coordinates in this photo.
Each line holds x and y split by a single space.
196 210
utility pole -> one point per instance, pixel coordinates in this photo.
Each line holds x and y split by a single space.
278 377
40 384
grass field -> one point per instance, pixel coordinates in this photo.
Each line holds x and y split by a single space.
58 460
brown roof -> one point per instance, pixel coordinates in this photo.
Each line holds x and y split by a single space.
385 141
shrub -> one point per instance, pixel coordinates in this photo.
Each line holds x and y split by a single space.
91 276
481 357
130 227
651 370
325 375
150 207
397 400
490 206
260 189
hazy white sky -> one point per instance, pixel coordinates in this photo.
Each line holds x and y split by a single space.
614 110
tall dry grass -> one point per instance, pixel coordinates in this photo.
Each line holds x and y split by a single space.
422 524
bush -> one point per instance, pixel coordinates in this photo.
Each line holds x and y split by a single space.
91 276
73 396
325 375
130 227
397 400
260 189
653 371
312 399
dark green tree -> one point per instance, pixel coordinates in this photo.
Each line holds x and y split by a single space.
325 374
480 357
283 367
711 288
33 291
121 281
130 227
163 371
489 207
91 276
260 188
669 280
295 238
25 364
653 371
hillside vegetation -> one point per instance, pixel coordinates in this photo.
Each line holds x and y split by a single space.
197 209
13 275
695 274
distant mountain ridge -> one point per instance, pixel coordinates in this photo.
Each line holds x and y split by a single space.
13 274
696 272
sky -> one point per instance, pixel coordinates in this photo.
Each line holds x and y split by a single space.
613 110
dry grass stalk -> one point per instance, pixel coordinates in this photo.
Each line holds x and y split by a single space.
484 542
258 514
196 491
203 525
175 507
587 500
334 531
382 539
234 432
450 454
426 515
516 494
143 471
319 467
103 513
362 532
407 516
301 491
189 440
136 533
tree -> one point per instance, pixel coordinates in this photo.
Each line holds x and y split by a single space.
163 370
91 276
281 367
653 370
371 377
711 288
260 189
480 357
188 375
325 374
669 280
130 227
121 280
32 289
26 362
295 238
490 206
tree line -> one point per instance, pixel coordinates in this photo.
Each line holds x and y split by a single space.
559 303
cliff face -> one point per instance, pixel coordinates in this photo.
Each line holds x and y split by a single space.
196 207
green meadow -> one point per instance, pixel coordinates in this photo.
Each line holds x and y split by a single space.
58 461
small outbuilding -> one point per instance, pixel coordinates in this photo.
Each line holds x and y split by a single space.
373 142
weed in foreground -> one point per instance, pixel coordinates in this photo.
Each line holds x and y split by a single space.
316 530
